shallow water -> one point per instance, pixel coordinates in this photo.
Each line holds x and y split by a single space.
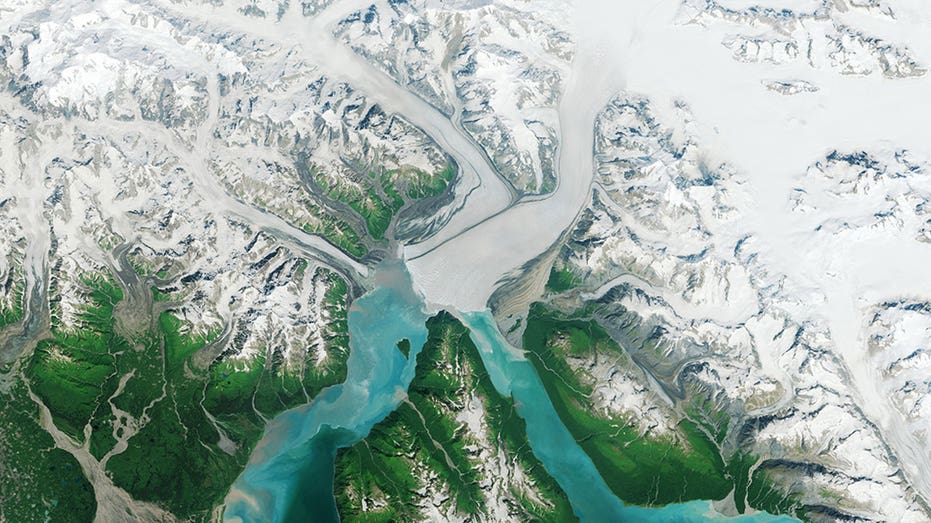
553 445
290 475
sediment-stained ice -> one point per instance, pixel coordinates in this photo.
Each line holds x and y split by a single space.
703 223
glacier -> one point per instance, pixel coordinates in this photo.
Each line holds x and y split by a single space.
703 223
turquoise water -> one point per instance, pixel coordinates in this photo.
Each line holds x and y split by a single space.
290 475
552 443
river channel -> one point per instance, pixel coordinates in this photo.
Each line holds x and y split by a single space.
290 475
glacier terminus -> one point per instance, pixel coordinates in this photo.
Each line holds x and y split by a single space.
465 261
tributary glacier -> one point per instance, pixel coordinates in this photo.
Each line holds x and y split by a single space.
465 261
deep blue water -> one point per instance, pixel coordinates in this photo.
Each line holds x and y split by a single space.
290 475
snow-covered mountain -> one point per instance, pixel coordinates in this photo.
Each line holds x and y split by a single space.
734 192
707 319
496 70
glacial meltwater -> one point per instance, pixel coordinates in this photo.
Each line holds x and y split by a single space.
553 445
290 475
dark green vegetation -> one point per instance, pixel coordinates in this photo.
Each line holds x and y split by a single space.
640 470
548 185
561 279
196 426
385 469
75 372
38 482
404 346
340 233
12 311
378 197
422 185
236 387
168 459
763 496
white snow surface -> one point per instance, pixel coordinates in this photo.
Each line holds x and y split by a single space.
799 264
834 245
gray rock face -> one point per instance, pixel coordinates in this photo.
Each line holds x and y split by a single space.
497 69
710 324
252 161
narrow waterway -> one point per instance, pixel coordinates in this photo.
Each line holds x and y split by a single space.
290 475
553 445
